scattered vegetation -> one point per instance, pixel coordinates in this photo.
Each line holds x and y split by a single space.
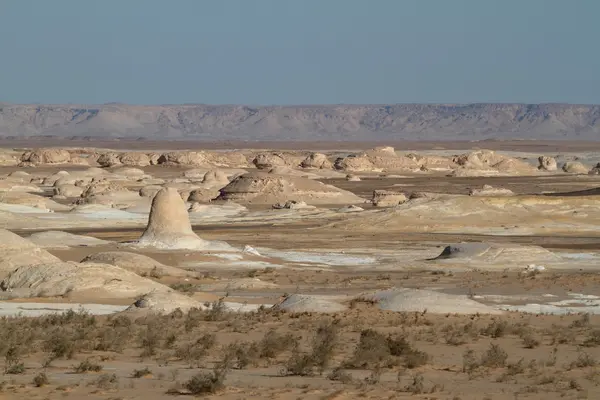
40 380
87 366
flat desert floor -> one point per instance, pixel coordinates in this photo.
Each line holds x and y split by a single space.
444 295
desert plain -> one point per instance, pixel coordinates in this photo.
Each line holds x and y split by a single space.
141 271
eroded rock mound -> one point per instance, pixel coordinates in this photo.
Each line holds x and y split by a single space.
509 254
316 160
301 303
463 250
376 160
134 159
16 252
61 278
269 160
488 190
182 158
418 300
169 225
547 163
46 156
165 302
575 167
387 198
138 263
215 178
59 239
264 188
293 205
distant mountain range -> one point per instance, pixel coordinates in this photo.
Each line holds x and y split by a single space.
304 123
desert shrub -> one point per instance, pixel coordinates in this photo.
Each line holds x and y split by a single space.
13 364
107 381
375 348
242 354
209 382
194 352
183 287
530 341
273 344
583 360
496 329
60 345
113 339
15 369
40 380
340 375
582 322
322 350
470 362
140 373
87 366
593 339
494 357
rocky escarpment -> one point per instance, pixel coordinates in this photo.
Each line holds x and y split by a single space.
333 122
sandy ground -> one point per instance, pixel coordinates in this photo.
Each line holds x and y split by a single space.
549 349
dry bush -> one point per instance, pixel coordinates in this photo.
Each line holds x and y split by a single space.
209 382
195 352
184 287
470 362
140 373
496 329
582 322
40 380
87 366
593 339
457 335
13 359
340 375
273 344
494 357
323 345
583 360
242 354
530 341
376 349
107 381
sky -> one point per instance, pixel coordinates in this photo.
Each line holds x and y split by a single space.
299 51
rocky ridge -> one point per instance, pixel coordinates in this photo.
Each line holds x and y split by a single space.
328 122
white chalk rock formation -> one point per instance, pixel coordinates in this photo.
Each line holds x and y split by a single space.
293 205
61 278
488 190
16 252
417 300
46 156
595 170
316 160
269 160
31 200
575 167
301 303
387 198
169 225
138 263
547 163
263 188
59 239
215 178
165 302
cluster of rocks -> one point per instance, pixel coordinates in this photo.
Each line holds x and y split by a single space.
377 160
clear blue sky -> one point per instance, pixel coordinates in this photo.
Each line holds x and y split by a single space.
299 51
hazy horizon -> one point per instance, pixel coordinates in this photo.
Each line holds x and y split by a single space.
268 52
